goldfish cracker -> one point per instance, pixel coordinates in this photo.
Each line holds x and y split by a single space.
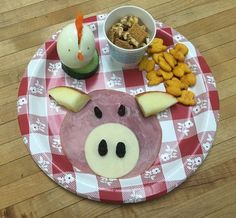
150 65
182 48
172 82
170 59
187 98
167 75
156 56
174 72
179 52
189 79
174 90
156 46
185 67
172 51
157 40
151 74
164 65
177 55
155 81
178 71
159 72
180 84
164 47
173 87
176 82
142 64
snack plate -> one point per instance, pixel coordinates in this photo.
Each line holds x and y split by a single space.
188 132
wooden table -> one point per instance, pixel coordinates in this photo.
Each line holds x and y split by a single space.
25 191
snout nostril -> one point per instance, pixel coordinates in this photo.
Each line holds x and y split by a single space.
120 149
102 147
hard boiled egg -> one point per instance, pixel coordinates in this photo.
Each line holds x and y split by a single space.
75 53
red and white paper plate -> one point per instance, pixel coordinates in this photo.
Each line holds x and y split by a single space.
188 132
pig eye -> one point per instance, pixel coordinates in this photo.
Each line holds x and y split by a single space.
69 50
121 110
88 48
97 112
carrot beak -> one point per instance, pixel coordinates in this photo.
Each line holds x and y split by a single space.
80 56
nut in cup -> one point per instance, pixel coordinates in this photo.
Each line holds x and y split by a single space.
129 57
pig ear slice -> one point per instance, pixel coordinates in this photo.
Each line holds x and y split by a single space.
154 102
70 98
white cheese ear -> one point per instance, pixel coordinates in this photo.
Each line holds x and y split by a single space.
154 102
70 98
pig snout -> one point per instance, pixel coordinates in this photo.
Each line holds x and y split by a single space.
111 150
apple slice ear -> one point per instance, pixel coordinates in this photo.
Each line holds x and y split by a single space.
154 102
72 99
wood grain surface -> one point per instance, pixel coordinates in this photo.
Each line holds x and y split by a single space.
25 191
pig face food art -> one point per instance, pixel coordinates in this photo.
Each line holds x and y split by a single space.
110 136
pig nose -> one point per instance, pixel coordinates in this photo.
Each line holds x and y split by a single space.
111 150
80 56
102 147
120 148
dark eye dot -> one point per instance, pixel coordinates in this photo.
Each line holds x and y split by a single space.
102 148
98 112
87 48
120 149
69 50
121 110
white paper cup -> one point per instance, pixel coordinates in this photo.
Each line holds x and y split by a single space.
129 56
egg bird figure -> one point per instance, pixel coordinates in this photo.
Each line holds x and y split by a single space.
76 50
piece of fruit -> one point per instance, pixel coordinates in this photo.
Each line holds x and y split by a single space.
72 99
153 102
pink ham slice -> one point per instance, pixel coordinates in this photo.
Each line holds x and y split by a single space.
76 127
